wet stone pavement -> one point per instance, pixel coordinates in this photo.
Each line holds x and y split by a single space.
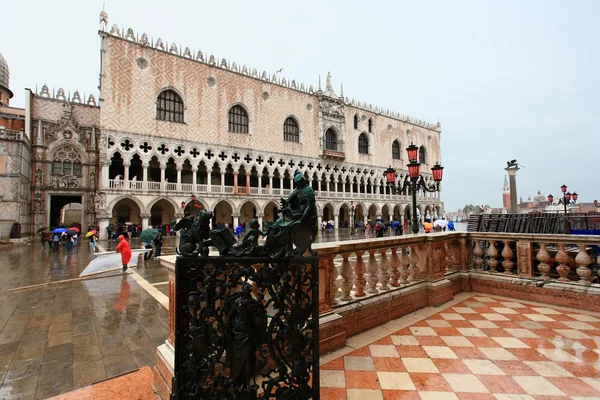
60 336
58 333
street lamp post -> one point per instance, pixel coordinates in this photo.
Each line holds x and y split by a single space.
352 231
566 200
415 181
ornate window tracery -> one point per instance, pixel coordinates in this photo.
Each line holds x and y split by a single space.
291 130
238 119
331 140
169 106
66 161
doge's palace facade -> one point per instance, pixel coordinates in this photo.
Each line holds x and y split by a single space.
179 127
176 129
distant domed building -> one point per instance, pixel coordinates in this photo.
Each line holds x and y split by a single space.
5 93
538 204
15 163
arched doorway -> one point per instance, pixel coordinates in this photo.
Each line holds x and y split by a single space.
162 213
193 208
126 210
271 213
59 204
344 216
372 213
328 212
223 214
247 213
397 213
385 213
359 215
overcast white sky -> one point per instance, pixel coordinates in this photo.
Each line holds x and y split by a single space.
507 79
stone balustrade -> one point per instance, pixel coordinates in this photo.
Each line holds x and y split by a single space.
366 283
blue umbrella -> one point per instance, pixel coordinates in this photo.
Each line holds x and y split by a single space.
59 230
395 224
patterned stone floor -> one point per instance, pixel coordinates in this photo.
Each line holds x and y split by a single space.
482 347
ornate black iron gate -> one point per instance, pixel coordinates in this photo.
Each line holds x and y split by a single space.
246 328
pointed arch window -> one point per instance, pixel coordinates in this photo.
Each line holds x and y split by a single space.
291 130
355 121
396 150
238 119
370 125
331 140
66 161
169 106
363 144
422 155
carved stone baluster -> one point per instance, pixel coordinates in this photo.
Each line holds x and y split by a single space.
359 272
543 257
493 255
413 270
346 277
384 268
334 283
478 256
583 260
507 254
372 268
450 262
404 263
394 264
562 258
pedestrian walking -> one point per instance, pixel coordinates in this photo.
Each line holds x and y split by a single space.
238 230
55 240
158 242
75 240
125 250
69 242
93 243
44 238
148 254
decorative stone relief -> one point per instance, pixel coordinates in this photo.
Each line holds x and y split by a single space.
65 182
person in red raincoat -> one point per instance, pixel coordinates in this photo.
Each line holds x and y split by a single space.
123 248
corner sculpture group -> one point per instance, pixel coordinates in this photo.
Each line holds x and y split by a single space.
252 309
297 227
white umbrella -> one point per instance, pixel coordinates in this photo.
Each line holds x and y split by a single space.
110 261
440 222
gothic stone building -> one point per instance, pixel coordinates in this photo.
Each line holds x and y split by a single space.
175 130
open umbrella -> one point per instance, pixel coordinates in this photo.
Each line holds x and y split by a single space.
128 223
45 228
59 230
148 235
90 233
395 224
440 222
110 261
74 228
72 232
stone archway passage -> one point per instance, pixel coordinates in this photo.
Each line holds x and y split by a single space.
162 213
247 212
57 203
126 210
223 214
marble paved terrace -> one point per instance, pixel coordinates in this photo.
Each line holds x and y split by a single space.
475 347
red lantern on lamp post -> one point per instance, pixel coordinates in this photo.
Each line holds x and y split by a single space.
414 181
567 199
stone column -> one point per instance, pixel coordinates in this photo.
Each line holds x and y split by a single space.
145 173
280 182
208 180
163 185
104 174
222 181
145 220
126 176
512 177
235 182
248 183
259 217
336 220
270 184
236 221
179 169
319 220
103 224
194 171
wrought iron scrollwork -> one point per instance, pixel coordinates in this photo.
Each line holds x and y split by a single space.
246 328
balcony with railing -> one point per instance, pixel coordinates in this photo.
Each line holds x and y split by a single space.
333 149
